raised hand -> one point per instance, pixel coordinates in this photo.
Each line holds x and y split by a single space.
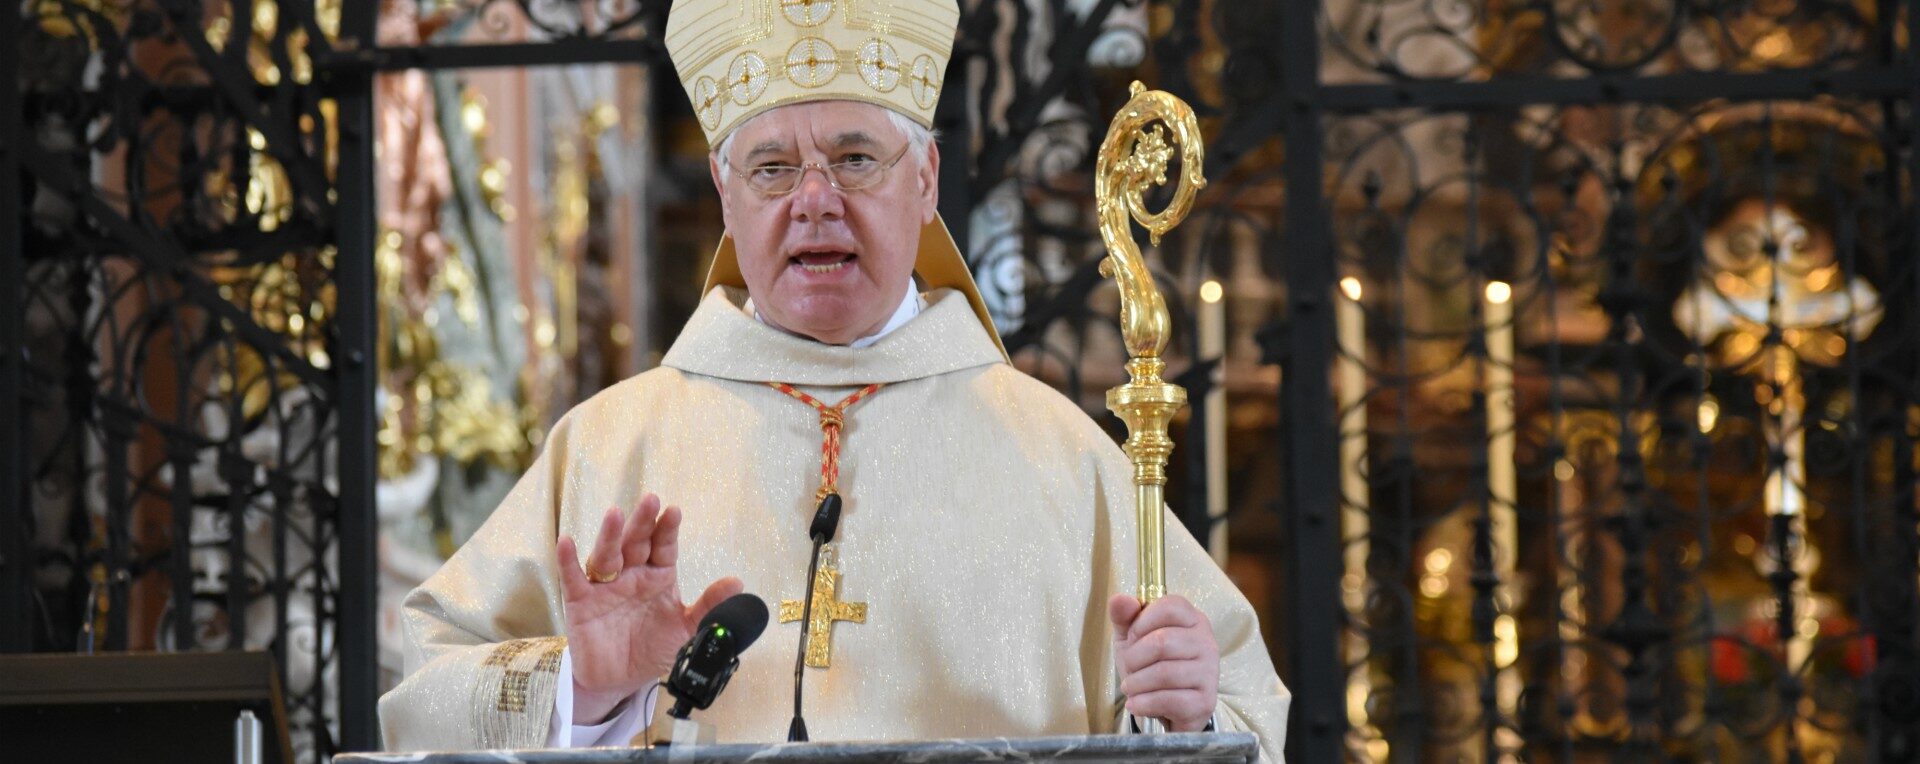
1169 662
625 618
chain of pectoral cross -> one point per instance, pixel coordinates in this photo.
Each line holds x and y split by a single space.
832 419
827 607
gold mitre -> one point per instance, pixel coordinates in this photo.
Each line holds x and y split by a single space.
738 58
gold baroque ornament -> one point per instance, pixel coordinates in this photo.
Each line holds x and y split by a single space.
706 102
747 78
812 62
924 82
880 65
1134 158
807 13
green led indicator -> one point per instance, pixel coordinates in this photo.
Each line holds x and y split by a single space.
719 631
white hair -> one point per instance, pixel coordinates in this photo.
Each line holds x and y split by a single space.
919 137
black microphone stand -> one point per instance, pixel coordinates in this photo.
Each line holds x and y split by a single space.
825 520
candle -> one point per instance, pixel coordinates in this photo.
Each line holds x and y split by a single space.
1350 381
1500 427
1501 485
1213 347
1350 375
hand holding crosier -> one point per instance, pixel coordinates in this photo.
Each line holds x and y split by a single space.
1169 662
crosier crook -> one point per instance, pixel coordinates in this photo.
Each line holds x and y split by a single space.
1133 158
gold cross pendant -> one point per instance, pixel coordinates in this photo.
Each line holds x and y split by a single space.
827 608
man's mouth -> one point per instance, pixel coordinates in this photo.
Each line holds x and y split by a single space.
822 263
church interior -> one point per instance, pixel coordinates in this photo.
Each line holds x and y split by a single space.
1551 391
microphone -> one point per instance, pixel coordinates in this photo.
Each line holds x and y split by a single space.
826 520
708 660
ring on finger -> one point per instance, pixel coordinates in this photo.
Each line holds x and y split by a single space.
598 577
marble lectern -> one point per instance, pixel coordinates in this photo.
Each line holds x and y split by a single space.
1180 748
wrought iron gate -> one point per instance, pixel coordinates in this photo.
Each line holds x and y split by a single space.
1617 301
1645 260
186 342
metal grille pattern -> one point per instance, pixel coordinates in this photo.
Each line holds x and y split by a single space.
1043 79
1601 303
1407 41
1623 382
179 360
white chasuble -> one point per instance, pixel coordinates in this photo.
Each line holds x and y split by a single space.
987 520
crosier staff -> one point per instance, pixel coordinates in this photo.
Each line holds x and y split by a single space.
1134 158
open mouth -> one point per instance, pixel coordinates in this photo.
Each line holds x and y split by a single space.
822 263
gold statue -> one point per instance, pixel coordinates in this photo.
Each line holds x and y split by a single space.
1134 158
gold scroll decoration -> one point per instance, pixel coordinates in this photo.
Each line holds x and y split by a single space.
1133 159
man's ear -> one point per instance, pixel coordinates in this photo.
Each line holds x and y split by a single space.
930 183
720 187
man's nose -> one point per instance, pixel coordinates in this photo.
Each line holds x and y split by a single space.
816 198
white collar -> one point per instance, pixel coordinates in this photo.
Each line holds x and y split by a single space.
910 306
723 341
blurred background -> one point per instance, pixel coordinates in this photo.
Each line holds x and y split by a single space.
1552 362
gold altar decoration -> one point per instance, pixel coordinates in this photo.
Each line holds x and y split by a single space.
1133 158
434 404
1775 297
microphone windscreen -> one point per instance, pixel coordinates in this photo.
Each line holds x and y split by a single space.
743 614
826 519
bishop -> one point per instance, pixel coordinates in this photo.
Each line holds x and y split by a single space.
841 346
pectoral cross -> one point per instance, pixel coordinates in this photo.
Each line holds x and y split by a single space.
827 608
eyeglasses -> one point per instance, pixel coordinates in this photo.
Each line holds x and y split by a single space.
848 175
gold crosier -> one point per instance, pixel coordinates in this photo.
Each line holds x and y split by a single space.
1134 158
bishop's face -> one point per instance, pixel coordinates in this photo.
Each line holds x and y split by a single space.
820 261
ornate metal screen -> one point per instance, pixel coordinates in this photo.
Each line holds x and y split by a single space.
1575 340
185 342
1598 395
1617 304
